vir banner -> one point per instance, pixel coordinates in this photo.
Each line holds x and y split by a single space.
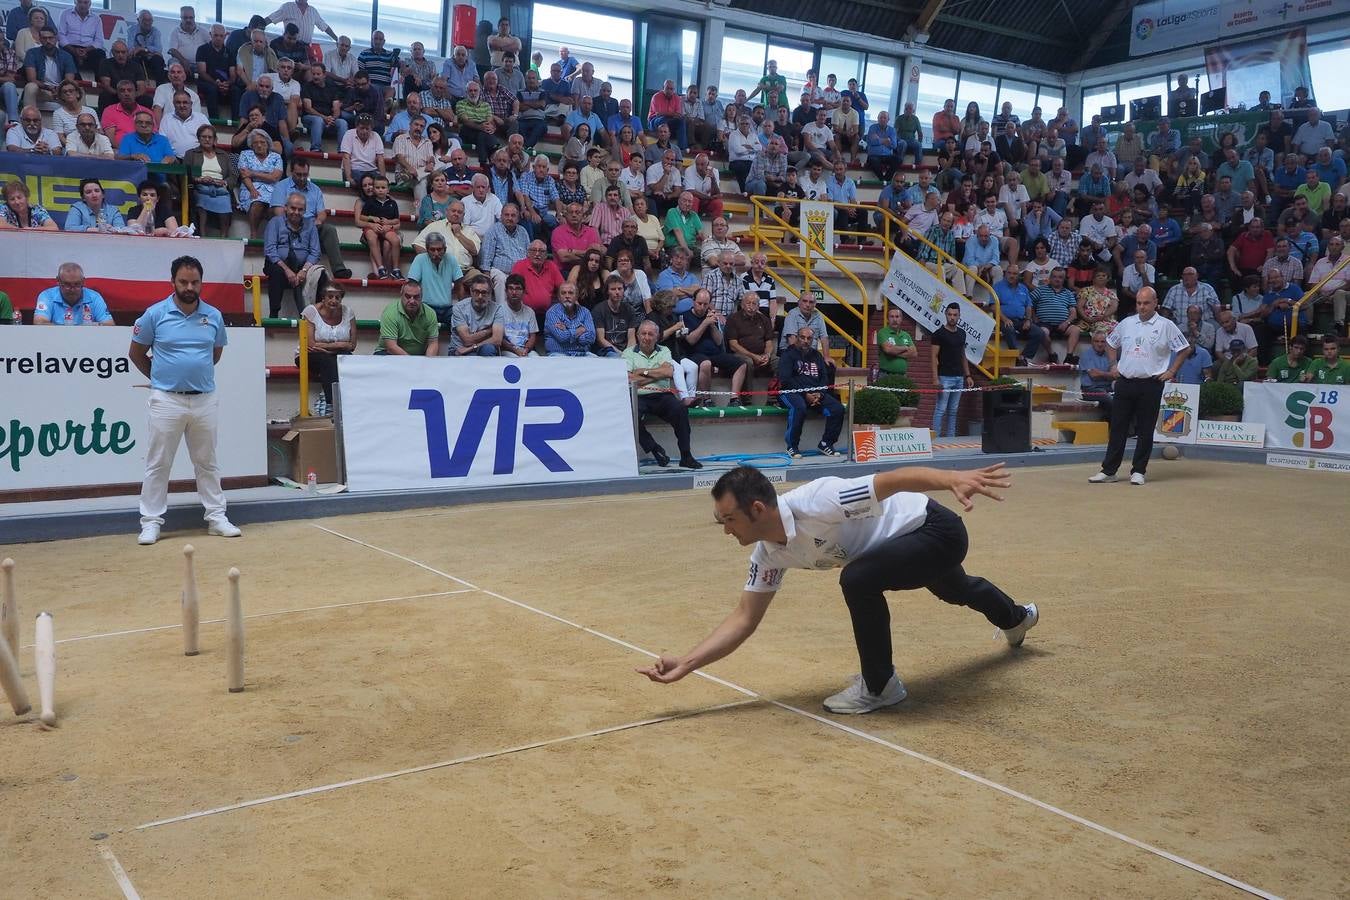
54 181
131 272
414 422
73 411
1309 417
923 296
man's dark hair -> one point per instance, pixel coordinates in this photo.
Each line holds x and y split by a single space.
479 281
299 162
185 262
952 306
1300 340
515 278
746 485
1331 338
257 22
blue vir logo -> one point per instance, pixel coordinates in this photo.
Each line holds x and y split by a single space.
536 437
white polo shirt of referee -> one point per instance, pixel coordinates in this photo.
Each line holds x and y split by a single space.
829 522
1145 348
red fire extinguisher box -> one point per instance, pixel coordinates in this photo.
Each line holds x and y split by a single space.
464 25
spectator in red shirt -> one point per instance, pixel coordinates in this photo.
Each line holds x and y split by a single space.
573 238
542 277
667 107
1249 251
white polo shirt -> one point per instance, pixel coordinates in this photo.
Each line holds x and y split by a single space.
1145 347
829 522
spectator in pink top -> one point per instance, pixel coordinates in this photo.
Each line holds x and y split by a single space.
573 238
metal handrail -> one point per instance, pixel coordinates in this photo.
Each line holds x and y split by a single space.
760 207
1311 294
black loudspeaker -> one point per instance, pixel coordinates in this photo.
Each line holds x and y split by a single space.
1007 422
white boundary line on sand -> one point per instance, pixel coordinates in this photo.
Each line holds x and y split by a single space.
490 754
846 729
280 612
118 873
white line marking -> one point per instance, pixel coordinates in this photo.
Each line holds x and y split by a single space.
420 565
490 754
947 767
118 873
282 612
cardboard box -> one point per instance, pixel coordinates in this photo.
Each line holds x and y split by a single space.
313 446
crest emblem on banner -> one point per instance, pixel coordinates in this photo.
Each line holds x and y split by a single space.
1174 419
816 220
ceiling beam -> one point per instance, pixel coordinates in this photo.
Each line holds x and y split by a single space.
924 21
976 25
1102 33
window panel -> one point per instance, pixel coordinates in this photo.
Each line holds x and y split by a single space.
937 85
1329 85
844 64
979 89
604 41
1021 94
793 62
1094 98
405 21
882 85
1155 86
742 61
1050 99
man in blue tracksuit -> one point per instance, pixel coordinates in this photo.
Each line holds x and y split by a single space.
799 368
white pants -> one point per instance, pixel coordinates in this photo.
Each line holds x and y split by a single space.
498 279
172 418
685 377
949 273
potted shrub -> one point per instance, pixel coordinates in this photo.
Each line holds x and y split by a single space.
875 408
902 388
1220 401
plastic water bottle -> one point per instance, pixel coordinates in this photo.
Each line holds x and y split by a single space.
311 482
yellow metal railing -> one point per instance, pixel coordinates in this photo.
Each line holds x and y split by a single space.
304 368
764 219
1311 295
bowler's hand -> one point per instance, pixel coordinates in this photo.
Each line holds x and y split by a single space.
965 485
666 670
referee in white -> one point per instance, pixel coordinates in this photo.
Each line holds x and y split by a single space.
883 533
1139 350
187 337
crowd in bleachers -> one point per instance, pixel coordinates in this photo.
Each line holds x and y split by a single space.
1065 224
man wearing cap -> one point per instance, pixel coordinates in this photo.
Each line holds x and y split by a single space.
1238 364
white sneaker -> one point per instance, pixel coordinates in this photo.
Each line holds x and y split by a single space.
223 528
1018 632
856 698
1102 478
149 534
1136 478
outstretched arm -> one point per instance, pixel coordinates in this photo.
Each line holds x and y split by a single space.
964 484
725 638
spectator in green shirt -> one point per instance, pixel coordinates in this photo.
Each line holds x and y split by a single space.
1330 369
6 310
770 82
1238 366
895 346
1316 191
1290 366
683 226
408 327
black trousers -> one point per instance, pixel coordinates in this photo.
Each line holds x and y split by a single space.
929 557
1135 405
668 408
278 285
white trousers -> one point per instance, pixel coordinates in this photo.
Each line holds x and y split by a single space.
172 418
685 377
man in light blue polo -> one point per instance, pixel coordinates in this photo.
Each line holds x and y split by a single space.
187 337
70 302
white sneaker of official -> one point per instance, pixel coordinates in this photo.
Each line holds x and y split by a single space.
857 699
222 527
149 534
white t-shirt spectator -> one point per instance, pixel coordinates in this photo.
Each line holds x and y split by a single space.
1013 201
742 147
287 90
819 135
362 155
1098 232
703 184
814 190
481 215
164 97
1133 280
1310 138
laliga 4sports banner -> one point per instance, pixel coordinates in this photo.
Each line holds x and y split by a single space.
1310 417
419 422
131 272
923 296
